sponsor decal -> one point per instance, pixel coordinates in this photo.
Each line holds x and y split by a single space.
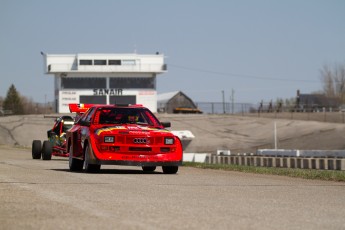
139 157
99 131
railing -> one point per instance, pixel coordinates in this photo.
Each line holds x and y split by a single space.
107 68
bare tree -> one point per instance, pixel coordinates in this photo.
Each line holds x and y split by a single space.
339 74
327 81
333 80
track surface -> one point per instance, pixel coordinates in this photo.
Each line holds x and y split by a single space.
36 194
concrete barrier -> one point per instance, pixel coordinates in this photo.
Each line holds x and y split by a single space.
279 162
277 152
223 152
188 157
302 159
200 157
196 157
300 153
322 153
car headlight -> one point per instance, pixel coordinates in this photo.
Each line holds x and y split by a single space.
169 140
109 139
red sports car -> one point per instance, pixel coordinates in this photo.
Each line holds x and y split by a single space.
122 135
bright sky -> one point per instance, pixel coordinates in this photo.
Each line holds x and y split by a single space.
261 49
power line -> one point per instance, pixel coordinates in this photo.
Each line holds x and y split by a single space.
240 75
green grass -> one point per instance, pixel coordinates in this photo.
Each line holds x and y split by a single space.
330 175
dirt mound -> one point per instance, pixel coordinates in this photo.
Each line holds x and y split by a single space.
247 134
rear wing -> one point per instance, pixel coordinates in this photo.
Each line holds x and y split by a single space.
82 108
79 108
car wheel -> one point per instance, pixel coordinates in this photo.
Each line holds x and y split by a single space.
47 149
149 168
170 169
36 149
75 165
90 168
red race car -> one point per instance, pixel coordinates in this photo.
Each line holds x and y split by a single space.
122 135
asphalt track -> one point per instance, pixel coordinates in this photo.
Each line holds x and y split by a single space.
37 194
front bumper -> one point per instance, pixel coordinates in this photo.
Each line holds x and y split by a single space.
137 163
137 157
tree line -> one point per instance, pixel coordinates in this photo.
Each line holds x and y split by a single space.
16 104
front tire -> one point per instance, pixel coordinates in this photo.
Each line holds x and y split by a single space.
75 165
170 169
47 150
36 149
90 168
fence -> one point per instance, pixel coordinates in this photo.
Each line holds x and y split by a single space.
315 113
229 108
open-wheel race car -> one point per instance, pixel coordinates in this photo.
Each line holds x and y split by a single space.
56 143
122 135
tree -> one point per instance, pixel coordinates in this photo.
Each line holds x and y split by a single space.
13 101
333 80
327 80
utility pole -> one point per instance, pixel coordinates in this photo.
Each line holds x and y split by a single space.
232 101
223 101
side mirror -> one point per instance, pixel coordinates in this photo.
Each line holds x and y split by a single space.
166 124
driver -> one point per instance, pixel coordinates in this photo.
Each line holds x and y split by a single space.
133 118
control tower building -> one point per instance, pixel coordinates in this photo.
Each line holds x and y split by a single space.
104 79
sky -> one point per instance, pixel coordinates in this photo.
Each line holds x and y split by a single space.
252 49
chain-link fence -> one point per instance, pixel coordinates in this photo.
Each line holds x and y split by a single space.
302 112
228 108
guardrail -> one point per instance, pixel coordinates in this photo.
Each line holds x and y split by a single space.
321 163
280 162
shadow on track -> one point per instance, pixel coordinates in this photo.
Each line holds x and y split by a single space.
113 171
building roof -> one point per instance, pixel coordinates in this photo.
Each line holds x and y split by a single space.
104 63
165 97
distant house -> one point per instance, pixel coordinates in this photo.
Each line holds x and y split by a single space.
316 101
176 102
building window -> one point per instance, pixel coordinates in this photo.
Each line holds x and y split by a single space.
93 99
83 83
133 83
114 62
128 62
85 62
100 62
124 100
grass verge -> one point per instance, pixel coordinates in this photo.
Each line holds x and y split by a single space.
330 175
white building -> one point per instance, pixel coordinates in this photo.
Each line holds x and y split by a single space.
105 78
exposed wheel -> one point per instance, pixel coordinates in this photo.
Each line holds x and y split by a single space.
170 169
90 168
47 149
149 168
36 149
75 165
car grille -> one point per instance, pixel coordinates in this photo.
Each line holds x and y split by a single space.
140 149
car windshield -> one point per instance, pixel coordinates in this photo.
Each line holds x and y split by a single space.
139 116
